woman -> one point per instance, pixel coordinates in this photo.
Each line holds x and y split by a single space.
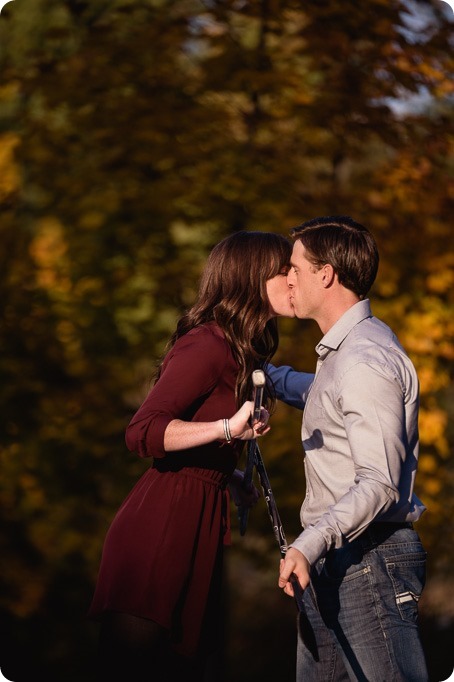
158 588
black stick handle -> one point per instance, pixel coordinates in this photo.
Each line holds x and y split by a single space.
259 381
243 512
305 626
276 523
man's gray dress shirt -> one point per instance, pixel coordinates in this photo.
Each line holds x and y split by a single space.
359 431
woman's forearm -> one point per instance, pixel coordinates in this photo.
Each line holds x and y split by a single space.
181 435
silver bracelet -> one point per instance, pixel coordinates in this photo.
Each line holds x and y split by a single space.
227 434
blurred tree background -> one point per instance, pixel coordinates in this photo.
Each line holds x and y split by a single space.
134 135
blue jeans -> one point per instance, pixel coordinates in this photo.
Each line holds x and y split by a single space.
362 604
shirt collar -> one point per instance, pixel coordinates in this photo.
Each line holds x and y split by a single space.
334 336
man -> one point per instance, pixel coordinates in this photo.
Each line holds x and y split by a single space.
359 560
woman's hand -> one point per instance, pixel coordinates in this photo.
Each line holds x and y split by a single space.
181 435
240 426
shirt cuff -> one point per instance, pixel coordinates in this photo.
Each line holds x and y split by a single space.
311 544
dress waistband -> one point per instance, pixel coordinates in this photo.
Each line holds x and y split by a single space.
219 479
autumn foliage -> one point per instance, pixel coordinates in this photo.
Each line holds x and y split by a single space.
134 134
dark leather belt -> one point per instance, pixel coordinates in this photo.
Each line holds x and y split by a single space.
391 525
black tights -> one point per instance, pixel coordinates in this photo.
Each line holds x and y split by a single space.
133 649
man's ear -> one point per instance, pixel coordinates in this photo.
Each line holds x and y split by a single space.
328 275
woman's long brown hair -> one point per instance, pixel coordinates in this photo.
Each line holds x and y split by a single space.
233 294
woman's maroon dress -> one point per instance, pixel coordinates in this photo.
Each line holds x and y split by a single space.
162 556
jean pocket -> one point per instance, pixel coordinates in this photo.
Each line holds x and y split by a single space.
408 576
340 568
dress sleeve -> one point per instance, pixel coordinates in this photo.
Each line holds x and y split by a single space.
190 371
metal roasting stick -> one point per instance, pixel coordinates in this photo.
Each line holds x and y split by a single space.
254 458
258 380
276 522
304 624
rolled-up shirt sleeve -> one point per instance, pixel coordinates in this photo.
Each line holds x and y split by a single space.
190 372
